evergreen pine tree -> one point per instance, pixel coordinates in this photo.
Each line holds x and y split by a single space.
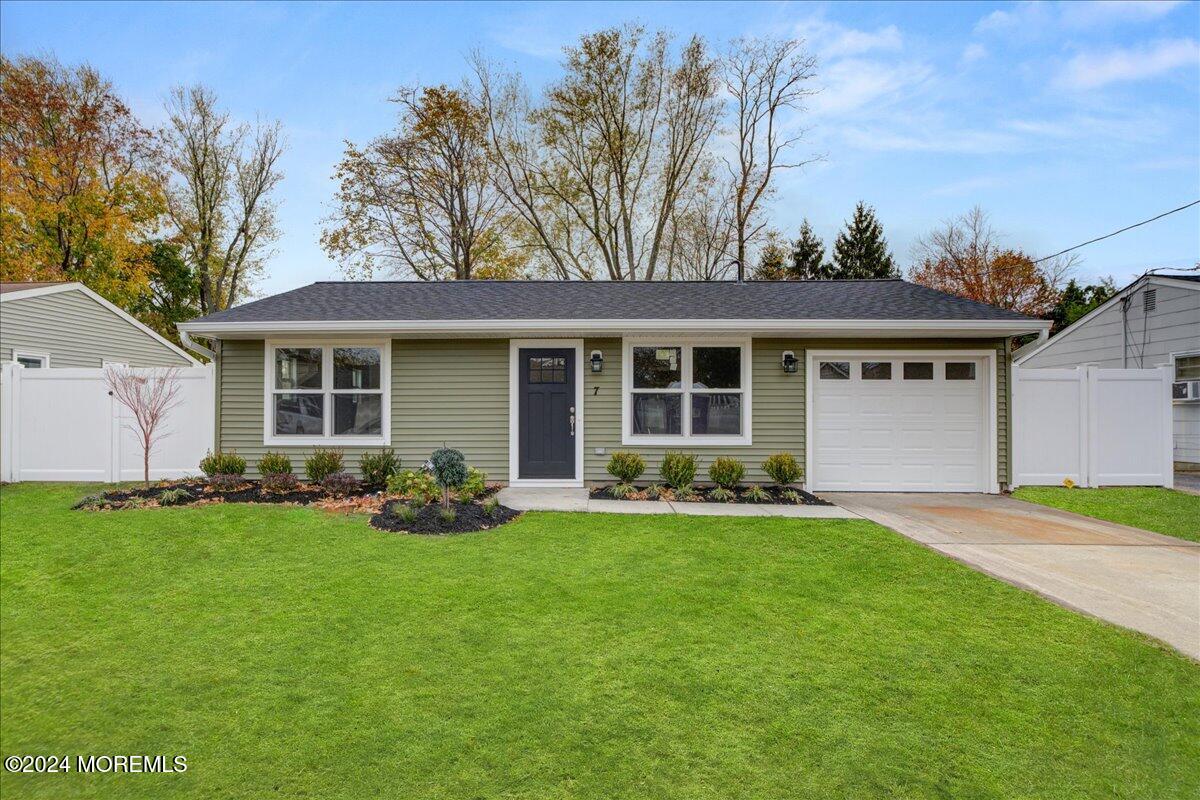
772 262
807 257
860 250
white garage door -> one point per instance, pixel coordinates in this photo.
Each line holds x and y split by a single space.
900 424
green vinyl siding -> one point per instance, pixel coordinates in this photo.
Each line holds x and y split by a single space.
446 392
76 331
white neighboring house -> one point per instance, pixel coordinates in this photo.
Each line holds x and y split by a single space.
1155 321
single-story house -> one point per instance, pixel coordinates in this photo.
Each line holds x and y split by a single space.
1152 322
872 384
54 325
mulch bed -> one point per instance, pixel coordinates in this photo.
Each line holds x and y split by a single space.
468 517
701 496
198 491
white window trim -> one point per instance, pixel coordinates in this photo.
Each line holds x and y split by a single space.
1175 380
686 438
990 375
327 390
514 416
45 357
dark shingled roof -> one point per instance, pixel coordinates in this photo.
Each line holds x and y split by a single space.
634 300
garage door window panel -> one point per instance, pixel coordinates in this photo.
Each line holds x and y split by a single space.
918 370
876 370
834 370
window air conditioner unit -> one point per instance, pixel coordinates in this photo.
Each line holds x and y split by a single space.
1185 390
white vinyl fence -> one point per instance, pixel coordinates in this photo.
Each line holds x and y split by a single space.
1098 427
62 425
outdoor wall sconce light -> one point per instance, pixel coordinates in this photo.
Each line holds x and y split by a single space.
597 361
789 361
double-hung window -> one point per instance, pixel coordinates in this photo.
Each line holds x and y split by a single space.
327 393
678 392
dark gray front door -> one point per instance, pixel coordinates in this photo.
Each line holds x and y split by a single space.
547 413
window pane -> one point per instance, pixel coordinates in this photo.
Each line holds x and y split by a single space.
547 370
960 370
717 367
657 413
835 370
718 414
298 368
918 370
876 370
1187 368
299 414
357 414
29 362
657 368
356 368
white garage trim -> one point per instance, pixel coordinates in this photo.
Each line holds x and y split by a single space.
989 370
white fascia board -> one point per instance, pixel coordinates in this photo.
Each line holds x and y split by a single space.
39 291
841 327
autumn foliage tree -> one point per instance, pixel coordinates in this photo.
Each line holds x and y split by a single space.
421 201
149 397
80 196
965 257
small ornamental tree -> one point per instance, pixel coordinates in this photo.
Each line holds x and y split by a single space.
149 396
449 469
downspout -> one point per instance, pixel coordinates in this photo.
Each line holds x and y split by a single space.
1125 330
196 347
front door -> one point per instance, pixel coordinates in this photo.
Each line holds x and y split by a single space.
547 413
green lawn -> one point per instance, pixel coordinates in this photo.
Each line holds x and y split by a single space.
291 653
1153 509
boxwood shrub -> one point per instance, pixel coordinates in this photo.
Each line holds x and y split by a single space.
726 472
678 469
221 463
275 464
782 468
626 467
376 468
322 463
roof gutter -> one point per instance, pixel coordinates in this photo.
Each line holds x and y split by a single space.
194 346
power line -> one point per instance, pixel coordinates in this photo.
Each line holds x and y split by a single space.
1114 233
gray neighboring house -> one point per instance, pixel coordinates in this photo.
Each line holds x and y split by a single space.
873 385
1155 321
54 325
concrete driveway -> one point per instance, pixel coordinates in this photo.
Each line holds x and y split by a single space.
1130 577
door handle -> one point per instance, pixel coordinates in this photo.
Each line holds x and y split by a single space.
572 419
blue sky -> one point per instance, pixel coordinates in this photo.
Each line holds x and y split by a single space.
1064 121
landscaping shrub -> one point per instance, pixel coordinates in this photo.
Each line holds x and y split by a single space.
756 494
626 467
419 487
220 463
274 464
339 484
720 494
622 490
678 470
376 468
782 468
450 469
491 506
474 485
726 472
279 483
174 497
407 514
791 495
448 515
93 502
656 491
224 482
322 463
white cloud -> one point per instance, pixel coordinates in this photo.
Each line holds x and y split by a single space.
831 40
853 84
1033 17
1093 70
973 52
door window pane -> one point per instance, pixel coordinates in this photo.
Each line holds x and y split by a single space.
299 414
357 414
835 370
716 367
355 368
1187 368
544 369
657 414
876 370
960 370
298 368
657 367
918 370
717 414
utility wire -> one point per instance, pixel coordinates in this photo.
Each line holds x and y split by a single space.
1114 233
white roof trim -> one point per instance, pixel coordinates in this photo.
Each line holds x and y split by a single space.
1161 280
619 326
41 291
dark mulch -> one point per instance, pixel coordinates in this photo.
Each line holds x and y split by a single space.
468 517
775 493
199 490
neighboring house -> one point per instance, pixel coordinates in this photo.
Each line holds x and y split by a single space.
874 385
50 325
1155 321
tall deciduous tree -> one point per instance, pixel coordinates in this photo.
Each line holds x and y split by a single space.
861 251
174 294
965 257
766 78
598 168
79 193
700 233
220 199
421 201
